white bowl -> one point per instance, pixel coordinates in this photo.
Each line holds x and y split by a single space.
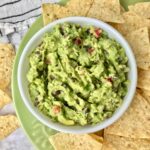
24 67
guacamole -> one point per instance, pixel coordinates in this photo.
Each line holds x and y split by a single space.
78 75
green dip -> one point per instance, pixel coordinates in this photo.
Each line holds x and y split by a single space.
78 75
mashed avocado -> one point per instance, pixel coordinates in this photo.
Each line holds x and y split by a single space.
78 75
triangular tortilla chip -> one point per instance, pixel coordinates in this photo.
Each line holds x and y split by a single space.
131 22
139 41
108 11
79 7
4 99
8 124
142 9
7 54
135 122
123 143
64 141
53 12
143 79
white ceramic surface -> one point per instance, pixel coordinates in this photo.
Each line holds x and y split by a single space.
24 67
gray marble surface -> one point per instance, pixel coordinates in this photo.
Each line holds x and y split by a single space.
16 141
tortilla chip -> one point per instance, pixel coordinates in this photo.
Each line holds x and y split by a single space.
4 99
142 9
143 61
6 61
139 41
145 94
143 79
131 23
96 137
53 12
108 11
8 124
140 44
135 122
64 141
79 7
114 142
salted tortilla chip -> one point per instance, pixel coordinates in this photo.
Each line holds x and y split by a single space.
108 11
6 61
135 122
131 23
64 141
8 124
4 99
79 7
123 143
143 79
142 9
53 12
139 41
143 61
135 20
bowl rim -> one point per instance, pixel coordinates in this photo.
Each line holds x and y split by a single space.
85 129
